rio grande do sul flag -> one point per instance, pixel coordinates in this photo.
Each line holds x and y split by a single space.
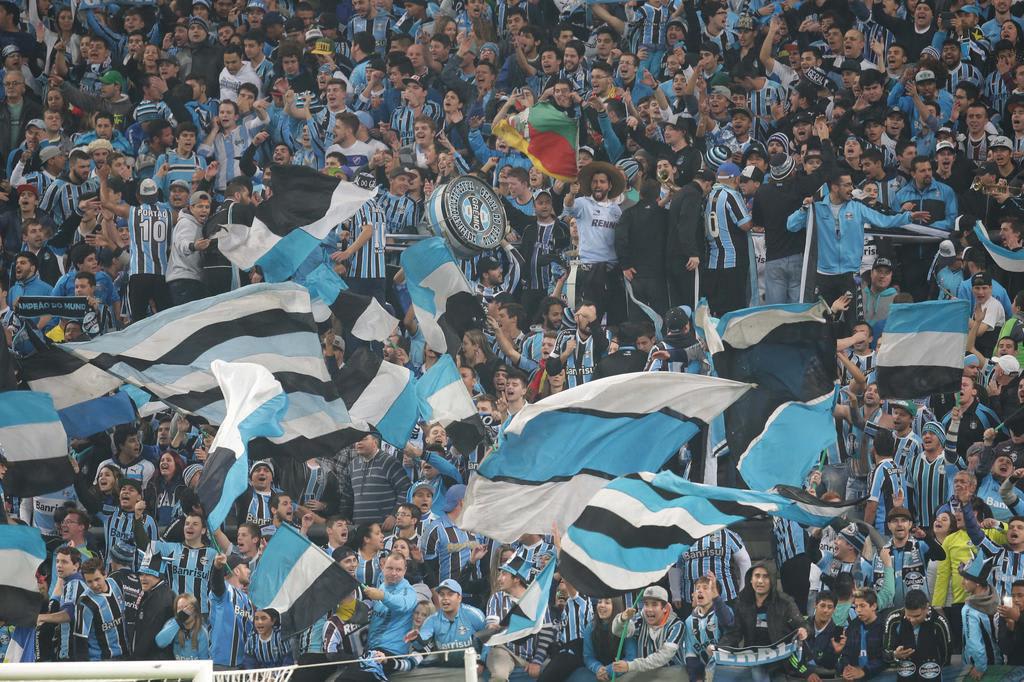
547 136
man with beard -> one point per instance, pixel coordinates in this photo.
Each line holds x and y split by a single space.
680 351
597 214
579 350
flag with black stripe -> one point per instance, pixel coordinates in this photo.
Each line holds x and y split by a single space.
35 444
788 352
634 529
380 393
445 304
255 404
298 580
362 316
170 353
21 551
553 455
443 398
280 233
921 351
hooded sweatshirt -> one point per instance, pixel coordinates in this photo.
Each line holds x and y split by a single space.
184 262
981 645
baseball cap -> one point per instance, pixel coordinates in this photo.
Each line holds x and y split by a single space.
450 584
945 144
946 249
322 46
49 152
970 9
882 262
273 18
981 279
924 75
414 80
728 170
656 592
588 150
745 23
183 184
256 4
752 173
199 196
112 77
999 141
314 34
1009 364
721 90
988 168
27 187
36 123
148 188
453 497
850 65
9 50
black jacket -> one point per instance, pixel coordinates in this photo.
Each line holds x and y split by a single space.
156 608
640 240
626 359
931 645
684 238
783 615
30 109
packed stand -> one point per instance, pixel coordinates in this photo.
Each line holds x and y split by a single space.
131 133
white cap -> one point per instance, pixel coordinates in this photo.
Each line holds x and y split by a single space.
656 592
946 249
1008 363
999 141
148 188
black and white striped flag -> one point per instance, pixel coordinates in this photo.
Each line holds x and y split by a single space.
169 355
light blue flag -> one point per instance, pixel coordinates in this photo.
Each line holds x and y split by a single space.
255 404
444 301
23 549
34 443
529 614
298 580
636 527
444 398
1011 261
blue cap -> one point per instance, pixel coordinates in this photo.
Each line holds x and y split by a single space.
450 584
256 4
728 170
453 497
970 9
971 360
366 118
519 567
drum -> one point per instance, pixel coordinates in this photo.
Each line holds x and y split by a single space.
468 214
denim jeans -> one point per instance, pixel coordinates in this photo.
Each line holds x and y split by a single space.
782 279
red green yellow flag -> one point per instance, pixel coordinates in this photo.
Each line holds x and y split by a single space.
547 136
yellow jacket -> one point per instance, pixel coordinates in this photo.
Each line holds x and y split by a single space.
959 549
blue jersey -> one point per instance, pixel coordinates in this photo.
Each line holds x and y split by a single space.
178 168
368 571
82 549
790 539
931 484
648 26
576 616
724 217
67 600
99 622
440 633
368 261
61 198
712 553
448 545
188 569
149 228
230 626
272 652
379 27
119 534
887 483
403 117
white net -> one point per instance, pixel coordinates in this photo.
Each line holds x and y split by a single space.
265 675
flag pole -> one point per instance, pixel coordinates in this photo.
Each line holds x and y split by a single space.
622 637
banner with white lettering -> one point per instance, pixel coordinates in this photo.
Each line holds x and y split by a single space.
70 307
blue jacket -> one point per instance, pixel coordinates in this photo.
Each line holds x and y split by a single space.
33 286
392 617
841 247
938 191
628 651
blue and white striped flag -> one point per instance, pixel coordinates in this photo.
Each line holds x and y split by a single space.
304 207
555 454
443 398
21 551
298 580
362 316
445 304
788 353
526 617
634 529
921 351
255 404
35 444
380 393
1011 261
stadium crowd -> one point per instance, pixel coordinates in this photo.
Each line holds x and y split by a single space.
130 132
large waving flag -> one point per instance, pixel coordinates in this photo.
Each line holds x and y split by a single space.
254 403
443 398
362 316
921 351
555 454
305 206
526 617
169 355
93 416
788 352
547 136
298 580
380 393
634 529
445 304
1011 261
21 551
35 444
